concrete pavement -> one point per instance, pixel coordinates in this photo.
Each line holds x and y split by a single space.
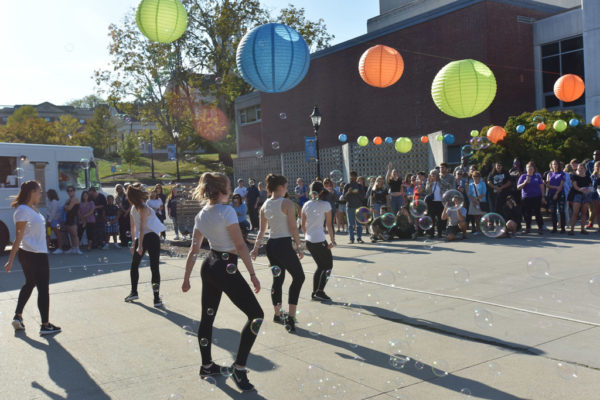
410 320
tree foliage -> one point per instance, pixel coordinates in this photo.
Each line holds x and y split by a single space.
129 150
541 146
90 101
25 126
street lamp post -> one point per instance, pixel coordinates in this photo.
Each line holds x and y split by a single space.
152 152
176 137
316 121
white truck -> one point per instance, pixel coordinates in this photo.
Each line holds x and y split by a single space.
54 167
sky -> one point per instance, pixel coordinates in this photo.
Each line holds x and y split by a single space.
50 49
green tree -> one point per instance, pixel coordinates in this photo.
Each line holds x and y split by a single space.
101 130
69 131
25 126
129 151
90 101
541 146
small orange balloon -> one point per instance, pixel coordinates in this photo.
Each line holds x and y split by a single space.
569 87
381 66
424 139
596 121
541 126
496 134
377 140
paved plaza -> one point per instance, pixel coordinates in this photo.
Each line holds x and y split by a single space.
410 320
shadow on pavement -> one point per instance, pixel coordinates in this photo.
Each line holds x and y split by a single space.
65 371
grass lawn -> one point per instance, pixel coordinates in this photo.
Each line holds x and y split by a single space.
163 170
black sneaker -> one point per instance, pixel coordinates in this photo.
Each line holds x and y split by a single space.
214 369
158 302
18 324
279 319
351 242
359 241
240 377
320 295
584 232
132 296
49 329
290 324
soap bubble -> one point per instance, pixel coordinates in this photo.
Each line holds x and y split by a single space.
538 268
386 277
461 275
466 392
388 220
20 173
259 154
337 328
275 145
483 318
269 214
225 256
566 370
417 208
398 347
210 311
425 223
231 269
493 225
453 199
255 325
364 215
226 371
398 361
275 270
85 163
204 342
594 285
282 115
467 150
440 368
494 368
208 384
336 176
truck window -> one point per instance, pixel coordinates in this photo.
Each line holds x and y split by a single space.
71 174
94 179
8 174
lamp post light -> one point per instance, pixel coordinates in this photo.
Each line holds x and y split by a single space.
152 152
176 137
316 122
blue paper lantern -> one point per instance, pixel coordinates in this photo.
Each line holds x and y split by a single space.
520 128
449 138
574 122
273 58
389 140
342 137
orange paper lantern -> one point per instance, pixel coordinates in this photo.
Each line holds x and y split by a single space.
381 66
569 87
424 139
541 126
496 134
377 140
596 121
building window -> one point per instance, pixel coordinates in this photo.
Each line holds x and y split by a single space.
250 115
560 58
8 172
453 154
71 174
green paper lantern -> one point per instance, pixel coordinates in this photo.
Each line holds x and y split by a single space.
474 133
463 89
439 138
559 125
162 21
403 145
362 141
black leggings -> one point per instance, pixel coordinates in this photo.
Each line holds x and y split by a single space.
37 274
324 259
215 281
434 210
530 206
150 243
281 253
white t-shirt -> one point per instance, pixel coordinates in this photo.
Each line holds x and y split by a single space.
453 215
154 204
212 222
153 224
34 239
315 211
53 210
242 191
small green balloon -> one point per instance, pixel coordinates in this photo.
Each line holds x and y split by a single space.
559 125
403 145
474 133
439 138
362 141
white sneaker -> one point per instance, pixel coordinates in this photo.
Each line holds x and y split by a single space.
116 245
70 251
105 247
58 251
77 251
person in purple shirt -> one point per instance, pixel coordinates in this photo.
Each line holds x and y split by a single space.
555 182
531 185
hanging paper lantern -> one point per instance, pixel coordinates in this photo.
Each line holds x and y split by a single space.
362 141
389 140
474 133
424 139
464 88
569 87
342 137
496 134
439 138
596 121
541 126
573 122
403 145
273 58
377 140
449 138
520 128
162 21
381 66
559 125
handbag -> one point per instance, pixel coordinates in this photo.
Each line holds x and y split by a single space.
429 198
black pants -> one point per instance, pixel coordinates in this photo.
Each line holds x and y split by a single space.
89 232
150 243
557 206
324 259
530 206
281 253
37 274
434 210
124 227
253 213
215 281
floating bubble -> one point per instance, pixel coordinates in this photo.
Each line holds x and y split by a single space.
20 173
386 277
467 150
425 223
208 384
204 342
494 368
337 328
440 368
105 260
85 163
538 268
364 215
255 325
417 208
85 267
493 225
594 285
398 361
282 115
466 392
398 347
388 220
269 214
225 256
316 328
275 270
453 199
461 275
566 370
429 243
275 145
336 176
259 154
483 318
231 269
210 311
